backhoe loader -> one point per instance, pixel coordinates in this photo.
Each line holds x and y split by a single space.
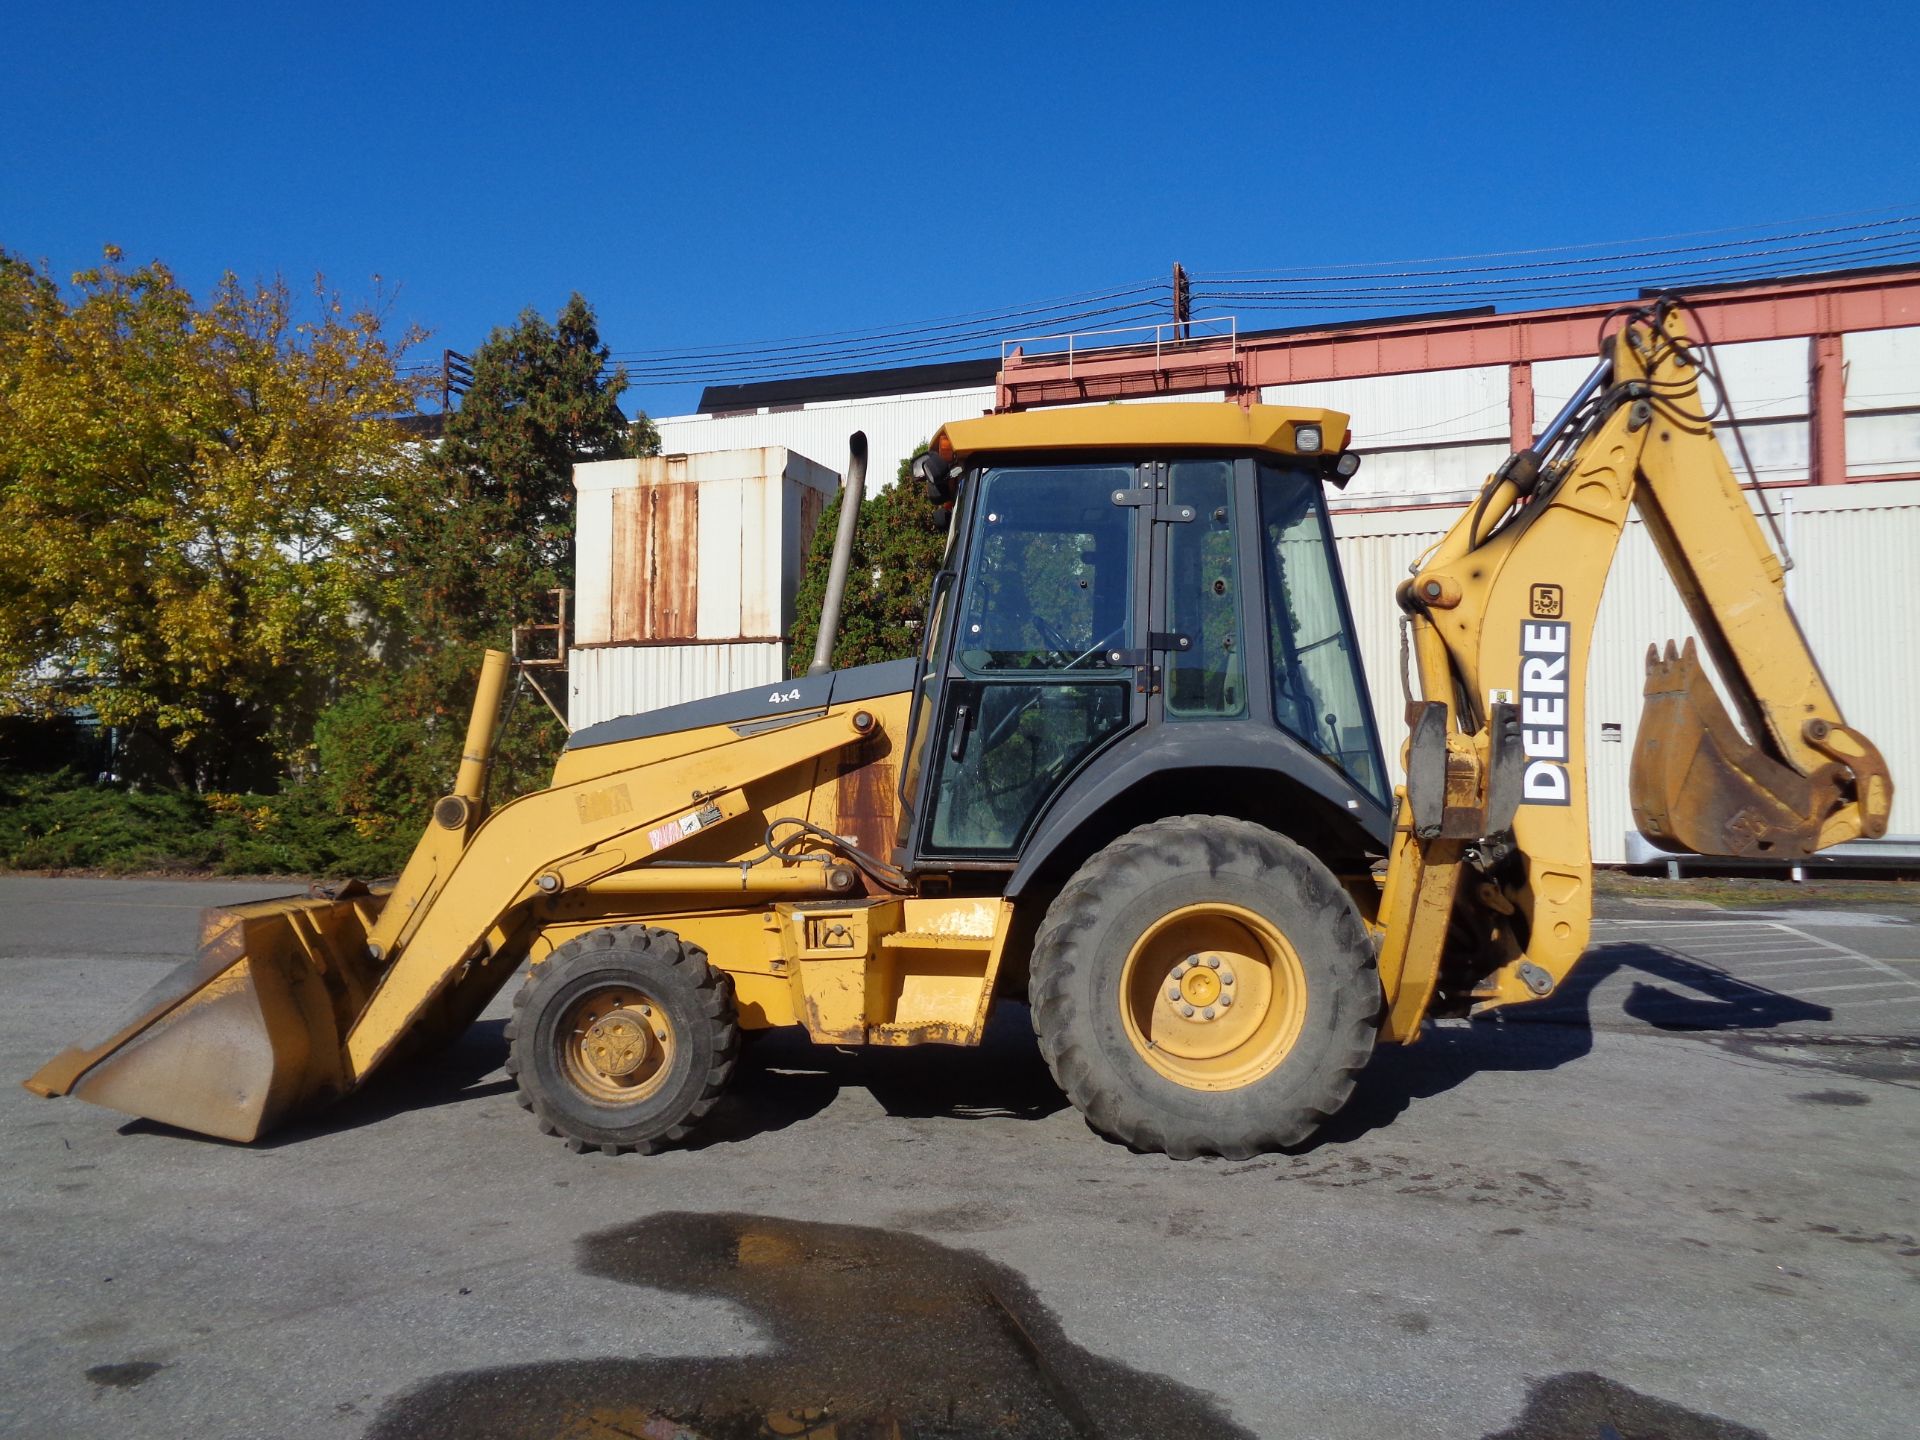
1132 775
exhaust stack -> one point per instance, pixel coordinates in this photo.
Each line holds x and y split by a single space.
851 494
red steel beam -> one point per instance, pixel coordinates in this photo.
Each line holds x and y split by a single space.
1520 404
1827 389
1770 312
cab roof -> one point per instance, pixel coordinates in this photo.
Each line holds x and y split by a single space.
1220 425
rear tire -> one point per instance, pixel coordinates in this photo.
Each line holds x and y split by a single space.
622 1039
1205 986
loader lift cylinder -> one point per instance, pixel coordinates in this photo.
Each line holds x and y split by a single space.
477 756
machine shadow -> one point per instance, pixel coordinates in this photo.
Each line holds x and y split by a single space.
785 1078
1552 1033
782 1079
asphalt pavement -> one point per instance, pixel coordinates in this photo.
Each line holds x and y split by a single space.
1676 1200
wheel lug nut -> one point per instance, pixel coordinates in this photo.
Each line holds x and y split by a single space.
1182 968
1208 1012
1187 1010
1213 962
1173 992
1226 977
1224 1001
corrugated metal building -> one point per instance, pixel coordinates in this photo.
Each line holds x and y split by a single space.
1431 435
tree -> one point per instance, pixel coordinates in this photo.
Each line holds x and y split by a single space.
188 499
898 543
486 532
491 529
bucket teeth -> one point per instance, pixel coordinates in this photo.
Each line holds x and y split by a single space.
1699 785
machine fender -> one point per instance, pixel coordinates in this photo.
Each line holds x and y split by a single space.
1273 760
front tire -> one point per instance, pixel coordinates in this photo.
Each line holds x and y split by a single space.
1205 986
622 1039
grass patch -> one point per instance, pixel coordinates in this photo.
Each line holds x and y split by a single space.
1740 892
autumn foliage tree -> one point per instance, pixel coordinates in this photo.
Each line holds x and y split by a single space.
189 493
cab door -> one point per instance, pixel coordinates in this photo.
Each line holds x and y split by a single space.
1043 649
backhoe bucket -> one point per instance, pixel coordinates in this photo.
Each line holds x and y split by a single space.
246 1034
1699 785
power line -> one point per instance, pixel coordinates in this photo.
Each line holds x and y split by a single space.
1597 244
1581 270
932 345
804 342
1522 290
1594 265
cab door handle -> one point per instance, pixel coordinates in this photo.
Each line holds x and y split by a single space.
962 723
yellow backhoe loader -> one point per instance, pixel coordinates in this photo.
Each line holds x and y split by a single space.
1133 775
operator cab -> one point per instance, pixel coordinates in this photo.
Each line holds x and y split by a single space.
1155 585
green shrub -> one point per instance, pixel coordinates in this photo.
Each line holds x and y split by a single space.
385 751
61 822
382 754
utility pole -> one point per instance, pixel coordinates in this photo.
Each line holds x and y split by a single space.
456 376
1182 302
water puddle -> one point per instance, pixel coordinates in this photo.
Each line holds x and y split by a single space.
1894 1059
874 1334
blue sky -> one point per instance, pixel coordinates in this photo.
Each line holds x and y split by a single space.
746 172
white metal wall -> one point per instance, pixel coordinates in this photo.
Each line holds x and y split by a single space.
1854 550
612 680
1882 381
1433 434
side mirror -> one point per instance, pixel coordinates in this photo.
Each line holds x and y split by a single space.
939 478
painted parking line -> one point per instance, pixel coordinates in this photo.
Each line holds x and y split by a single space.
1775 955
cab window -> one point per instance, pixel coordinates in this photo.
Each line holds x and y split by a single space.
1319 693
1035 688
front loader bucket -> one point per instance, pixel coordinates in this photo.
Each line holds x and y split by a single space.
244 1035
1699 785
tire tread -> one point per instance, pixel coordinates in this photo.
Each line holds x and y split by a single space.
1067 936
712 991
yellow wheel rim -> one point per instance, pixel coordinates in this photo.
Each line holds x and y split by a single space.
1213 996
616 1045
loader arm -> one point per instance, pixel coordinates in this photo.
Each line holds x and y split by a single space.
1488 896
294 1002
562 838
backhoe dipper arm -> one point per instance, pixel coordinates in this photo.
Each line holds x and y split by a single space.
1501 615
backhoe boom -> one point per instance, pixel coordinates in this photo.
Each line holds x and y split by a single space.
1502 613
